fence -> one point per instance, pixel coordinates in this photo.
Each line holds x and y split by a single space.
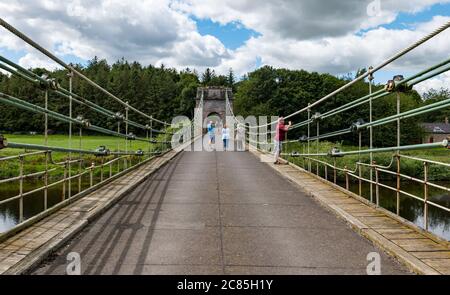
99 166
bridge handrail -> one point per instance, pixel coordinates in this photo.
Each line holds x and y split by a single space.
73 168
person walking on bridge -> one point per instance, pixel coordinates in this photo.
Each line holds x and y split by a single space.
212 133
225 136
240 138
280 136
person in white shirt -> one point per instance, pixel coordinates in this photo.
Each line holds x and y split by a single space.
225 136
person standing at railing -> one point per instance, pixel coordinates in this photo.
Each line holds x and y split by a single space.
280 136
240 138
225 137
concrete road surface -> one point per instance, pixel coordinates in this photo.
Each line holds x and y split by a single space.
218 213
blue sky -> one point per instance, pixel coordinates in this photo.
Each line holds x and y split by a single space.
407 20
233 35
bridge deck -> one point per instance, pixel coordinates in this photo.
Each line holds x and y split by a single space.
422 252
218 213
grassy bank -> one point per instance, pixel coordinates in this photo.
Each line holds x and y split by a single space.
408 167
34 164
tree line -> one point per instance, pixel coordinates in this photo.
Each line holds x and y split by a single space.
165 92
279 92
157 91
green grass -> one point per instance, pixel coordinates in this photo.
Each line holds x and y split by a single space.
34 164
87 142
409 167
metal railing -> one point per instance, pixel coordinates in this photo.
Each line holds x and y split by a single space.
309 150
74 164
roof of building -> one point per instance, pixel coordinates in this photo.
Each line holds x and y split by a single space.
436 127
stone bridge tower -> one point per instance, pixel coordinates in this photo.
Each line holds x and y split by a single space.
214 101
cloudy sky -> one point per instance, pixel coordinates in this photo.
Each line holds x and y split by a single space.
334 36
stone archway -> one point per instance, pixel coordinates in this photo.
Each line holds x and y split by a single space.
214 101
215 117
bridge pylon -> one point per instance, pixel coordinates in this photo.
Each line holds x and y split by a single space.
214 102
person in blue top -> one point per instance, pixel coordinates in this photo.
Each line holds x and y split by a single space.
211 132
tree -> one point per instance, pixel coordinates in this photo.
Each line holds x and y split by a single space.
207 77
231 79
434 96
279 92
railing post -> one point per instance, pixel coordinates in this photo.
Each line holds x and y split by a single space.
425 195
118 147
21 160
110 169
167 140
359 166
377 188
334 170
398 153
126 132
101 170
46 144
46 119
347 183
398 184
398 120
371 78
326 172
91 175
64 181
70 133
309 135
317 148
150 150
304 158
46 181
80 163
148 140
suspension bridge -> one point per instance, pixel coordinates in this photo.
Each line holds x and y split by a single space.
166 210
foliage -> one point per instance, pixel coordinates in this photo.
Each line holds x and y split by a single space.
160 92
279 92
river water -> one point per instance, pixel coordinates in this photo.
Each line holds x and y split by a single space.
410 209
33 204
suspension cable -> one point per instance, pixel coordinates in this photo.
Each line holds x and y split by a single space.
32 43
371 71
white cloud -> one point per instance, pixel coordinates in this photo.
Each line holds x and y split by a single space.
300 20
440 82
146 30
35 60
347 53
